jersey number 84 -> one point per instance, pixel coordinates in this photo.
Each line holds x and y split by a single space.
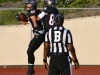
52 19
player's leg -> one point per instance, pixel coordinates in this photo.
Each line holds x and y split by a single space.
33 46
53 69
53 72
31 57
67 70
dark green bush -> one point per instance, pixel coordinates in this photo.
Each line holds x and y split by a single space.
7 17
9 1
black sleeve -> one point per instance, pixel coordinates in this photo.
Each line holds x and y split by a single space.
32 13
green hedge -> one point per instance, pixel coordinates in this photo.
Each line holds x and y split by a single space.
9 1
8 17
65 3
85 3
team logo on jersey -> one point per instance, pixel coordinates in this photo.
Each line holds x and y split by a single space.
32 11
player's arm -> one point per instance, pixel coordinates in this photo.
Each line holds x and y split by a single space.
72 50
23 22
41 15
34 20
46 49
33 17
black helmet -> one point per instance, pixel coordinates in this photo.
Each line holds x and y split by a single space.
59 19
33 4
49 2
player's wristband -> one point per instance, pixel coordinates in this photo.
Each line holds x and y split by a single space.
44 60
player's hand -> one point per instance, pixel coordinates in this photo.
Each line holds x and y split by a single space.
46 66
22 18
76 63
35 31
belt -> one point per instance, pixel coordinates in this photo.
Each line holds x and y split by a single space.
67 54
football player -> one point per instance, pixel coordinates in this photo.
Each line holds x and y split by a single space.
37 28
48 14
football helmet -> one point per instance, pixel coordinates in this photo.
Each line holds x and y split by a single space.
49 2
31 5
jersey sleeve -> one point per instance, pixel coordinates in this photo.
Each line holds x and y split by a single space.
46 37
32 13
69 36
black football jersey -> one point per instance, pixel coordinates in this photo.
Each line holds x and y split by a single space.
39 23
49 19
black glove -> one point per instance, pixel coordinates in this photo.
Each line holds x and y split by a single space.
37 32
35 29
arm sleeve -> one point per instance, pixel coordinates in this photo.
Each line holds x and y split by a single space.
42 14
46 10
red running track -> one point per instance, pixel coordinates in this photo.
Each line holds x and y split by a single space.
42 71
